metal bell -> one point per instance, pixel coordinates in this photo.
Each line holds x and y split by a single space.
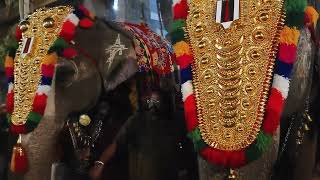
84 120
232 174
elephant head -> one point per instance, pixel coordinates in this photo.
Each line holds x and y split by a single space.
104 58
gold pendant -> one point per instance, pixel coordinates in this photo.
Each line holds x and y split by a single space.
233 69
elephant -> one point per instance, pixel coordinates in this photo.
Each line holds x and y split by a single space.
298 158
78 85
300 162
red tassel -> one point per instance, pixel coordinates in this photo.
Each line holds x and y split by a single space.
287 53
21 129
18 34
85 23
69 53
68 31
10 103
180 10
190 111
232 159
273 112
39 103
84 10
9 71
47 70
19 161
184 61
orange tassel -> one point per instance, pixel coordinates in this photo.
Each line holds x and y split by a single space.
19 161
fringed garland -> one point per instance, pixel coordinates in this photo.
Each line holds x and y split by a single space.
284 62
80 17
61 47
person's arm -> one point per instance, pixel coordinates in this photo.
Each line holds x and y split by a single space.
96 171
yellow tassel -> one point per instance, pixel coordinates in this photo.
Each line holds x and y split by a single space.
50 59
8 62
289 36
182 48
312 14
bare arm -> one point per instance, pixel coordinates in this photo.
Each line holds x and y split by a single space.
96 170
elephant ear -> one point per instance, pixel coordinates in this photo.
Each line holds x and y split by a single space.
120 72
119 62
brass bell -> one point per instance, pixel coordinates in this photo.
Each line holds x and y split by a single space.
309 117
306 127
299 134
232 174
48 22
299 142
84 120
24 25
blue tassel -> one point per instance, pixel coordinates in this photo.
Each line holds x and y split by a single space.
186 74
283 69
46 81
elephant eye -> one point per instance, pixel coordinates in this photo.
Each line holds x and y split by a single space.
66 73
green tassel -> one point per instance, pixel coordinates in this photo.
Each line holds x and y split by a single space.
264 141
33 121
12 48
177 35
30 126
295 5
261 145
7 123
178 24
195 135
58 45
197 140
295 19
295 12
199 145
34 117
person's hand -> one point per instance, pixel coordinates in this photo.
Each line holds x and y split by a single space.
95 172
3 109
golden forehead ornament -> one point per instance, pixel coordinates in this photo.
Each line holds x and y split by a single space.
39 31
232 69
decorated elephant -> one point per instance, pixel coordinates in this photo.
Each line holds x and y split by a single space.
219 84
67 64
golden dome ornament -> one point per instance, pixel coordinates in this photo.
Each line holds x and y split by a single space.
48 22
84 120
24 26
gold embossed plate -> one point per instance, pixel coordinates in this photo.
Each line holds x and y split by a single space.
232 69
